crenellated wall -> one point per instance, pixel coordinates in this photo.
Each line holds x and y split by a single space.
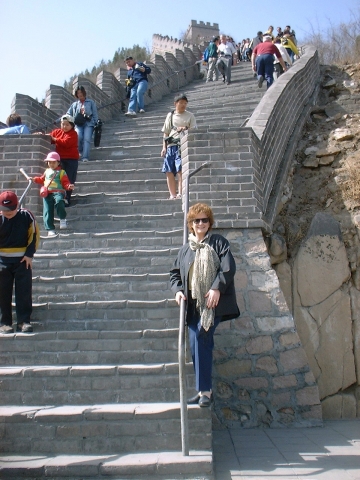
109 91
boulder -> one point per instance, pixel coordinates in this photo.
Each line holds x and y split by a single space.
277 248
327 160
283 271
339 406
329 84
355 308
311 162
321 264
342 134
328 152
333 346
310 150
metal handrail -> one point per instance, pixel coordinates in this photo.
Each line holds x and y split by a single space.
181 348
29 179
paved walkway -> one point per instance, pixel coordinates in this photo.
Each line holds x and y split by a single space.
331 452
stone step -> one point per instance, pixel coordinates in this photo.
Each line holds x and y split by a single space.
101 429
67 241
79 288
101 348
124 207
98 292
131 173
81 384
105 316
163 465
104 261
111 222
161 195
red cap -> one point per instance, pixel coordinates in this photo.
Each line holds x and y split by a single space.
8 201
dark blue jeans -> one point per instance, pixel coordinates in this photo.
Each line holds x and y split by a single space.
17 272
201 346
265 68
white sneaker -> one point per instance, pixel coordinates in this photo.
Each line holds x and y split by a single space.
63 224
141 110
51 233
85 160
130 113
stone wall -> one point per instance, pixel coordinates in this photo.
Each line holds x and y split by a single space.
261 372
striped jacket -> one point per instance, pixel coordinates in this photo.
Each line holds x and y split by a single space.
19 236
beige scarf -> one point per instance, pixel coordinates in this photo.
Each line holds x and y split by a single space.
206 266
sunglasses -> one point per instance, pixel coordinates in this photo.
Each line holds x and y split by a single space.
201 220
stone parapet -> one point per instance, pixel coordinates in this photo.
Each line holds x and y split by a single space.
230 183
278 120
58 99
27 152
34 114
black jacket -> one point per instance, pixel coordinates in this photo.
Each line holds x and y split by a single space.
224 280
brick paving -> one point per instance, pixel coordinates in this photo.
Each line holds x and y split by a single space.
331 452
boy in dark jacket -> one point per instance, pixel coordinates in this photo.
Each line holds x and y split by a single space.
19 239
137 73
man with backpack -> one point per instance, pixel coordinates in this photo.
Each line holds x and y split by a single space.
177 123
212 57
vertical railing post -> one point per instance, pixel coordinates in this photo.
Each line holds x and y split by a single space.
182 349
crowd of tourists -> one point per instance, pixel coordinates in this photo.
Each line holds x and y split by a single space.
270 52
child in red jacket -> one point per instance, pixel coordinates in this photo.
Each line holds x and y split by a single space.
58 183
65 140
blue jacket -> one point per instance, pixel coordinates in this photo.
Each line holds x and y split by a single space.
138 76
90 109
17 130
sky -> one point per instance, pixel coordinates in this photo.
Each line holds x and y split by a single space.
45 42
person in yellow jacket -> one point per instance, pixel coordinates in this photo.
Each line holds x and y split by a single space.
290 46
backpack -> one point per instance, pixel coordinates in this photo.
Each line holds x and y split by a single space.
206 55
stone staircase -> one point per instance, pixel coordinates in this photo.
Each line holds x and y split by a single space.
94 391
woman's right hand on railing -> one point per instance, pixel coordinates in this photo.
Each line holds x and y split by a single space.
179 296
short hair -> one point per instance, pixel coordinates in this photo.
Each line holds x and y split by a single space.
259 33
81 89
215 39
195 210
180 96
13 120
128 58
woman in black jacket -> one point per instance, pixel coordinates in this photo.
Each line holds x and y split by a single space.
203 275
